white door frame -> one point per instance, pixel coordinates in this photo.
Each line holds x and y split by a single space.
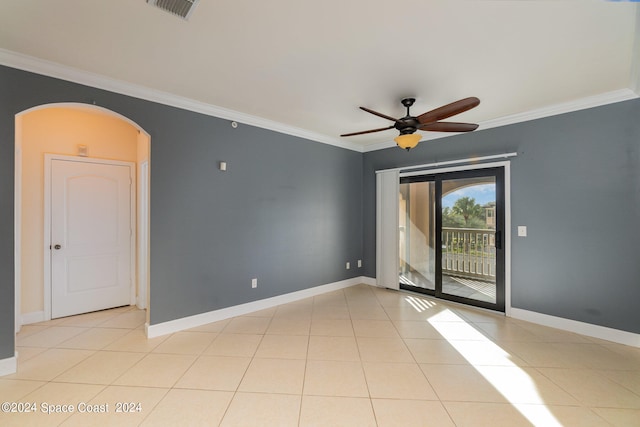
48 158
143 235
17 221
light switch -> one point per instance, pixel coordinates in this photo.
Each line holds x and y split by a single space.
522 231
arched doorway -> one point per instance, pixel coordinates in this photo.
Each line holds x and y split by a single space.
78 130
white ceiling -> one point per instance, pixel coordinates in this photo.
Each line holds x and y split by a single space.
307 66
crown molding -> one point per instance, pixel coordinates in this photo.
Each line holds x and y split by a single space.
552 110
63 72
52 69
562 108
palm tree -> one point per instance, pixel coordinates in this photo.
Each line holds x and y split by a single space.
467 208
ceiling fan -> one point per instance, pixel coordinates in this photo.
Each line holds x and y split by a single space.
429 121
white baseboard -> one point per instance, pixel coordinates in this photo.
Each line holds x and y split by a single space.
242 309
8 366
588 329
582 328
371 281
33 317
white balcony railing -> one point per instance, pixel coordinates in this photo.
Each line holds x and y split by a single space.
469 252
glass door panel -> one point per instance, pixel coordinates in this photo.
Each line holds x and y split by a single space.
468 211
417 235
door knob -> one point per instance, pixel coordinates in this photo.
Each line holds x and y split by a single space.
57 247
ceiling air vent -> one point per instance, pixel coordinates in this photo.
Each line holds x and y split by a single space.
181 8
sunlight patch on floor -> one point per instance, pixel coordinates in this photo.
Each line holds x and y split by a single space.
419 304
513 384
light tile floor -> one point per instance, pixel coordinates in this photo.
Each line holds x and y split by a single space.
362 356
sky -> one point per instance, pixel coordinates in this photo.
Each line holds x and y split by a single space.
483 193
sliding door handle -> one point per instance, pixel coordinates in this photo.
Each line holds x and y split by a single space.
498 238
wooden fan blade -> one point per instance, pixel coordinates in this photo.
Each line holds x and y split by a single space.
367 131
448 110
375 113
449 127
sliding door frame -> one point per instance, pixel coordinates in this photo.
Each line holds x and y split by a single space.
498 174
506 193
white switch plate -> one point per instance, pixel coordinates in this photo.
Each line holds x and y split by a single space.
522 231
359 263
254 283
348 265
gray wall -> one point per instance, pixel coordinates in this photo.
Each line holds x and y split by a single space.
291 212
576 185
288 211
7 312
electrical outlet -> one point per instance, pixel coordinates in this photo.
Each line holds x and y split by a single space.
359 263
348 265
522 231
254 283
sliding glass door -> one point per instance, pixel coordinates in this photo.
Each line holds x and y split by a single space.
451 228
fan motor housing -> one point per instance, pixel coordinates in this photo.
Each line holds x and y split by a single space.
407 125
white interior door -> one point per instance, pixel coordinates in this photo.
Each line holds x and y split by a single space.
91 236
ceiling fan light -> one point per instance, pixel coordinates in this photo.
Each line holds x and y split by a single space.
408 141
